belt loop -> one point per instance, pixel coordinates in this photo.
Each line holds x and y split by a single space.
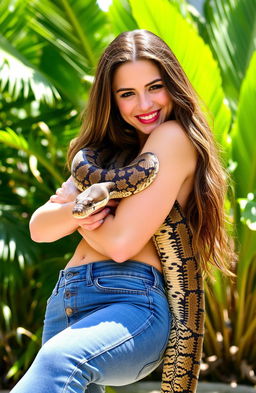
89 274
156 281
58 282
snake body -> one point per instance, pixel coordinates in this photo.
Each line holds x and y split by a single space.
173 241
108 183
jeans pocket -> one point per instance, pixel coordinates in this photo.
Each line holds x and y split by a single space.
121 284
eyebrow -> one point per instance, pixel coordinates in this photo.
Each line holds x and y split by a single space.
131 88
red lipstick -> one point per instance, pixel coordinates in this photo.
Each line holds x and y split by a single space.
148 118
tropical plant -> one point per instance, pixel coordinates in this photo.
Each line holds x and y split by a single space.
48 53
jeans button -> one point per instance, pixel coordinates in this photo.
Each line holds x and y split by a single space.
69 275
69 311
67 294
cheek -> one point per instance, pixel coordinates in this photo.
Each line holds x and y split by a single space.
124 108
167 102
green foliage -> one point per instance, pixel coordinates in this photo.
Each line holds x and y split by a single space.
48 53
231 35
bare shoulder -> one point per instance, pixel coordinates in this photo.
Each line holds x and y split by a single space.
170 131
171 140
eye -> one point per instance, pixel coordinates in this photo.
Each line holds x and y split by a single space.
156 87
126 94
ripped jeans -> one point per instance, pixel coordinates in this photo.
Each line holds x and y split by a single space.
106 323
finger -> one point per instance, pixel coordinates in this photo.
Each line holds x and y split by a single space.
57 199
91 227
58 191
52 198
70 180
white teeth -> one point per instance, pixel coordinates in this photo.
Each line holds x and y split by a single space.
148 117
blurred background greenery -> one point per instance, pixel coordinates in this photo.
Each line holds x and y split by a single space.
48 54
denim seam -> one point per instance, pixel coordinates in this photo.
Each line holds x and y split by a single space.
138 331
74 280
158 291
121 275
148 364
120 290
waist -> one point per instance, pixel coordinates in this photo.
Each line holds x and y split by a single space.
84 254
91 271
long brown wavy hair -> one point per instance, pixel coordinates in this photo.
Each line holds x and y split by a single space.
103 126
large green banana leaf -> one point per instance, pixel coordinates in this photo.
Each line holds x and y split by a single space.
120 17
231 26
193 54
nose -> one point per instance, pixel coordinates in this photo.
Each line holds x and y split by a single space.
145 102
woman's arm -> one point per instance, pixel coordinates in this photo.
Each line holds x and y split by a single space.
54 219
139 216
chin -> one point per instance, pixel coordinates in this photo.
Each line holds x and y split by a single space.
152 127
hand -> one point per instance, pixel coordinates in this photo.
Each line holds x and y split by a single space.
96 219
66 193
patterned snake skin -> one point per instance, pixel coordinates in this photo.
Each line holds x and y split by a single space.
173 241
114 182
186 299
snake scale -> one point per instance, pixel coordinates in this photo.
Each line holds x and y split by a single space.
173 241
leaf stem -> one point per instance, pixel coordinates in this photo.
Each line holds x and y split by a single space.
77 27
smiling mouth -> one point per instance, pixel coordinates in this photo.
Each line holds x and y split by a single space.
149 118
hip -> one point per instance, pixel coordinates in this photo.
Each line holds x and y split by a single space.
83 290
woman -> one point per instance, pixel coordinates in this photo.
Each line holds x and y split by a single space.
107 320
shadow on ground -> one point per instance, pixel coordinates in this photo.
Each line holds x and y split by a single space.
154 387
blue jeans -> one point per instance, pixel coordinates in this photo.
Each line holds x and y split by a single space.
106 323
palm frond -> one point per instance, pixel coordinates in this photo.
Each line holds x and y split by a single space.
19 76
76 28
12 139
15 243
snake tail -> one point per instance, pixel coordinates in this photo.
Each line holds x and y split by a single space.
184 287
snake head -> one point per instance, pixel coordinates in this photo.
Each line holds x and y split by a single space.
90 200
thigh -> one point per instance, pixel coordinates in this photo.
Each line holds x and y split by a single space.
116 345
55 319
120 338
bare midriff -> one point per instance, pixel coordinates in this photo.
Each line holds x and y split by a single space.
85 254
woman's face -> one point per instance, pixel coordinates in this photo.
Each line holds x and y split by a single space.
141 96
